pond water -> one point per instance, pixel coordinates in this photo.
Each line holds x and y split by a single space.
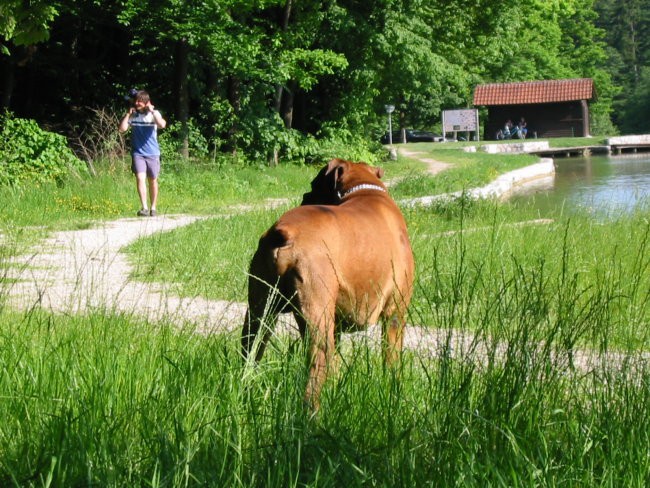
602 185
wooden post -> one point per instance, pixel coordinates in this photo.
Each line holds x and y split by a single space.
585 118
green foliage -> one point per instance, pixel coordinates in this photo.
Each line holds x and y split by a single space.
171 140
306 67
25 23
250 73
635 111
267 138
342 142
626 24
30 154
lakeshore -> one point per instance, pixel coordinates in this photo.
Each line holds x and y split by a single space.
613 146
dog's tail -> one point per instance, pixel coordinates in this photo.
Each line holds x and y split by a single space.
275 238
278 242
273 265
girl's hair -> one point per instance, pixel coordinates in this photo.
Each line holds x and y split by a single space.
141 96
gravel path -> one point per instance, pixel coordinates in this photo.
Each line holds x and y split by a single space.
84 270
76 271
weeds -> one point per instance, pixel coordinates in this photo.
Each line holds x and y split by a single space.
101 141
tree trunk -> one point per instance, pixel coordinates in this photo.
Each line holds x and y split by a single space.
280 91
288 99
8 79
181 92
19 57
234 98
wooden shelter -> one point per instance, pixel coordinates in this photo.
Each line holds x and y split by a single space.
551 108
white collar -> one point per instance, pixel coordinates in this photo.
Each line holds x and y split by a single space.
364 186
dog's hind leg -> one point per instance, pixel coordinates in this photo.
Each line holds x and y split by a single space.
264 305
393 338
322 349
393 321
393 317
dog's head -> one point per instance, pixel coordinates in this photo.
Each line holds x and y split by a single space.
336 178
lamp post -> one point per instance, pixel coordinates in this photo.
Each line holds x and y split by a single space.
389 110
391 150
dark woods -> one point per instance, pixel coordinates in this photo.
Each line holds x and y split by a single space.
265 80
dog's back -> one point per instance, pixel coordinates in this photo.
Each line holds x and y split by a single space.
357 253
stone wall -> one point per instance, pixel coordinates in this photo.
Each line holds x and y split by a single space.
515 147
640 139
501 188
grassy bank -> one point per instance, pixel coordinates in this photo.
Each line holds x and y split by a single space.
468 169
29 212
477 262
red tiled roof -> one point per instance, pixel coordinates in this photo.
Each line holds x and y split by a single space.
525 92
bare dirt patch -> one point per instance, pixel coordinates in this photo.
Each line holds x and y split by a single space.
433 166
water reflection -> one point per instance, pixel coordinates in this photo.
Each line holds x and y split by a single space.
604 185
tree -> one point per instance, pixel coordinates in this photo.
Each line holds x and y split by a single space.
240 43
22 25
268 76
25 23
626 24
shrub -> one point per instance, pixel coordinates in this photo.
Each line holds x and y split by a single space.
28 153
266 139
171 140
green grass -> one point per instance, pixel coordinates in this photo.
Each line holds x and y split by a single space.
209 258
576 141
108 400
29 213
192 188
469 170
498 268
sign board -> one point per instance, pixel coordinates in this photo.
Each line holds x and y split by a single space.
460 120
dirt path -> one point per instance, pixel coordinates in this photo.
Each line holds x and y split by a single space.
433 166
77 271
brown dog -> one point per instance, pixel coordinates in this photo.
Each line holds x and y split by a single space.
341 259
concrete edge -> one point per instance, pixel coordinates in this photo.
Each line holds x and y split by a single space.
501 188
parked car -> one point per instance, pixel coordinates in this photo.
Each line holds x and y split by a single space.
412 135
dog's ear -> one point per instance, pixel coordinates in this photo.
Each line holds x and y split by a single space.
338 167
324 189
379 172
335 164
